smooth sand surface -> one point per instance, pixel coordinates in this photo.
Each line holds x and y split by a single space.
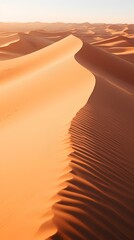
66 131
40 94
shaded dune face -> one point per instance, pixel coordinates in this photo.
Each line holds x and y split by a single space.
122 46
118 71
98 202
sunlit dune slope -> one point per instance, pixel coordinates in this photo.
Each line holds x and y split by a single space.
40 93
29 42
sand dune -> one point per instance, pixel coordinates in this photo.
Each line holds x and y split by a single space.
35 115
7 39
119 41
98 202
130 29
120 45
28 43
117 29
66 131
106 64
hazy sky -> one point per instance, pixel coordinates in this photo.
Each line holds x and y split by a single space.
67 10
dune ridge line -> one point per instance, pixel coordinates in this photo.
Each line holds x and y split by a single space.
35 114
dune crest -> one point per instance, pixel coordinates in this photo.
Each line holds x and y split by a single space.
39 95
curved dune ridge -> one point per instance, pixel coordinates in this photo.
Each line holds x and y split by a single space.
117 71
39 95
66 132
123 46
6 39
25 43
120 41
98 201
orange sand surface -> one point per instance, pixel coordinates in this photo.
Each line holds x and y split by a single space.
66 131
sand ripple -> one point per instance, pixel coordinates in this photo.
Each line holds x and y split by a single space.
98 202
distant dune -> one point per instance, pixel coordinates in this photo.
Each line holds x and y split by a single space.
66 131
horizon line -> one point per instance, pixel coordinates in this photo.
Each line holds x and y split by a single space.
23 22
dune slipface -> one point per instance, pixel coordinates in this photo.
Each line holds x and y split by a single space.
98 201
39 95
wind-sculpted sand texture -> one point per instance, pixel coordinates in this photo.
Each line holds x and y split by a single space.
99 198
66 131
98 202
